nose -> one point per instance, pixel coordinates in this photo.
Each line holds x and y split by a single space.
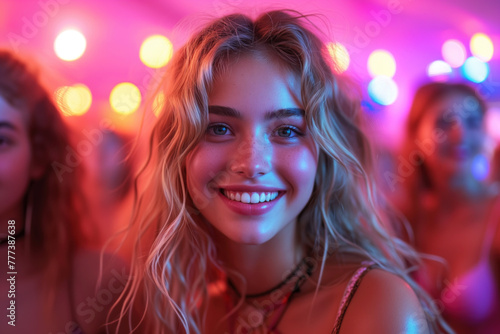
252 158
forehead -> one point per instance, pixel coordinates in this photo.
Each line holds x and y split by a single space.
254 82
459 104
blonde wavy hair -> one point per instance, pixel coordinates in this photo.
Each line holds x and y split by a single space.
174 257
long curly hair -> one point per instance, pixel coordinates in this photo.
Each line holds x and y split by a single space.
175 258
419 181
53 202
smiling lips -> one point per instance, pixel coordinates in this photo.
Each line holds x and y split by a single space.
250 202
250 197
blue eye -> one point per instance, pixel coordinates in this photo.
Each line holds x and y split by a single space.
288 132
218 129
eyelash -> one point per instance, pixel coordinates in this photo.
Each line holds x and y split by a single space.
295 131
211 128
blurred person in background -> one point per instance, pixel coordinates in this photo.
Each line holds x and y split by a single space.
109 184
57 285
454 211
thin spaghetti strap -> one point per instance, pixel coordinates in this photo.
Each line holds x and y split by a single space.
351 288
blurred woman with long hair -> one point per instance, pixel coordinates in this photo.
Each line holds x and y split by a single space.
53 273
453 208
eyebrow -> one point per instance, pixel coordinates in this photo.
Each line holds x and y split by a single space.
275 114
8 125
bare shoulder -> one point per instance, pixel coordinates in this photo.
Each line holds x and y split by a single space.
98 280
384 303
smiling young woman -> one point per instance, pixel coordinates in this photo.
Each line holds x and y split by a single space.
257 139
257 211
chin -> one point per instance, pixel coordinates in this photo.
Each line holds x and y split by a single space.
251 239
249 236
257 240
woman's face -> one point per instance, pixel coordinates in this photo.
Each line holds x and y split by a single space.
451 133
254 170
15 159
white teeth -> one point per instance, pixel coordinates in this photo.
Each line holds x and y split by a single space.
245 198
253 197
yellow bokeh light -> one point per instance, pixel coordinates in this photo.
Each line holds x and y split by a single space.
481 46
381 62
70 45
339 55
73 100
158 103
125 98
156 51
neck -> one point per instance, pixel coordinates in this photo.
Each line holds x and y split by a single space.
262 266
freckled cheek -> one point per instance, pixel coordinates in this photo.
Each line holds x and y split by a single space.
299 168
205 167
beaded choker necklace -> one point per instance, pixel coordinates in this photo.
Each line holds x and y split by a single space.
265 314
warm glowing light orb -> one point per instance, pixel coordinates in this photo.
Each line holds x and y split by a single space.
340 56
70 45
125 98
475 70
438 67
383 90
454 53
381 62
481 47
73 100
156 51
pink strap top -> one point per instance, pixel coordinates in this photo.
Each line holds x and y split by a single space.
351 288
